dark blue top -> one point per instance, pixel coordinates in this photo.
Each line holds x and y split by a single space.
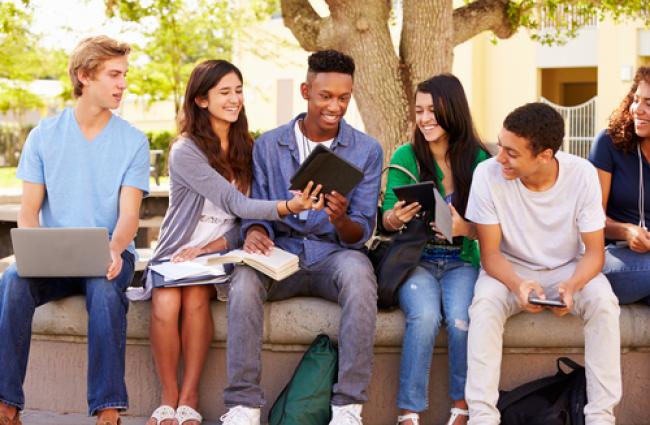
623 202
276 159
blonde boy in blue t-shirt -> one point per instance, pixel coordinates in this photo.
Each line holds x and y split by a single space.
85 167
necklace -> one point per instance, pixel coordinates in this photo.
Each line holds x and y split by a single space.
641 189
306 145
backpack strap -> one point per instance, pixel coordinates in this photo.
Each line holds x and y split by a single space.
382 193
569 363
403 170
508 398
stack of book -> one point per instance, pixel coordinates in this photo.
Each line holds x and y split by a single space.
208 269
190 273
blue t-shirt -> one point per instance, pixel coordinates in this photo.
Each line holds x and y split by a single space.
83 179
623 202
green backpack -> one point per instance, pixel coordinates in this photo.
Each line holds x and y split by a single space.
306 398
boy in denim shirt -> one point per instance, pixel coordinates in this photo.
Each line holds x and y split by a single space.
329 243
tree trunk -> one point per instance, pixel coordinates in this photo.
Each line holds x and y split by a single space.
426 45
385 82
380 87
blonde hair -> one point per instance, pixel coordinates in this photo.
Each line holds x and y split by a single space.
89 55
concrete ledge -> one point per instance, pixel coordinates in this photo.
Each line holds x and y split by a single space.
295 322
531 345
9 212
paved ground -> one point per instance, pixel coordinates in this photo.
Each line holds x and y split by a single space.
40 417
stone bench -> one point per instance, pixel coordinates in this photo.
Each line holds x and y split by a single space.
531 345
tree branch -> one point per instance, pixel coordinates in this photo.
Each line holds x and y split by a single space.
479 16
303 21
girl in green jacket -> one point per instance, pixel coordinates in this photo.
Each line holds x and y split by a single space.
445 150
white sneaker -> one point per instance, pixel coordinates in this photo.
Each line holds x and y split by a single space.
348 414
241 415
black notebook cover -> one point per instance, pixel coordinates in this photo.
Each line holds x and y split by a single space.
326 168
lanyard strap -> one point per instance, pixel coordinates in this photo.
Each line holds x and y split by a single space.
641 189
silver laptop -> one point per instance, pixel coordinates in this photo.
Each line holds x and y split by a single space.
61 251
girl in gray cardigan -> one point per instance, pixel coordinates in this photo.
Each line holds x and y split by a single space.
210 170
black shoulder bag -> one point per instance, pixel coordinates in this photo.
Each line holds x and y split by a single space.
394 257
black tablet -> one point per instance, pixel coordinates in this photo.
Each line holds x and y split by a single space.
323 166
418 192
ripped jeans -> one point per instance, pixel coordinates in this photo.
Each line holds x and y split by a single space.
434 291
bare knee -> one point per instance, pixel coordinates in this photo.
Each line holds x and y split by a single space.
196 298
165 305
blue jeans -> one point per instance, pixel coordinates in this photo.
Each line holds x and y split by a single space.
345 277
107 306
629 274
434 291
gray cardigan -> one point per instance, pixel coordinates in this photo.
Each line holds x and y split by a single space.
191 181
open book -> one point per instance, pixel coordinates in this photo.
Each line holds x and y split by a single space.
279 265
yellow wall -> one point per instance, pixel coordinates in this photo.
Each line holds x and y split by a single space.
500 77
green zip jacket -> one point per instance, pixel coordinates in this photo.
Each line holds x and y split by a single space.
405 156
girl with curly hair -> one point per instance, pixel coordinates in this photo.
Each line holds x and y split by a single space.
621 153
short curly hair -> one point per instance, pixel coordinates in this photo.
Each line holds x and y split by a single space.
621 122
539 123
330 61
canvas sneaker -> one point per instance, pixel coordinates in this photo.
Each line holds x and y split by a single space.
348 414
241 415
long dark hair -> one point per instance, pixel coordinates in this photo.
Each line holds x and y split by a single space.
452 114
621 122
195 124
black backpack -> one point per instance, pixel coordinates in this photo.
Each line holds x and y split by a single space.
553 400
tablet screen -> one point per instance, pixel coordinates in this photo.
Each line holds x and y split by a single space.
418 192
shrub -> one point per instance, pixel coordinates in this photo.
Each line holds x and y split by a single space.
12 138
162 139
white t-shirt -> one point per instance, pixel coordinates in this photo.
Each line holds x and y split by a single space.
213 224
540 230
305 146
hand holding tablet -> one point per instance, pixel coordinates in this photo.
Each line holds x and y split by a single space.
430 199
324 167
421 193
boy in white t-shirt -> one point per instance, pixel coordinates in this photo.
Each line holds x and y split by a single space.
540 226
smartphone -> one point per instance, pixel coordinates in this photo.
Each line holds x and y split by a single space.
534 300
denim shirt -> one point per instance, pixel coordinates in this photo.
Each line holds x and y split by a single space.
276 159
